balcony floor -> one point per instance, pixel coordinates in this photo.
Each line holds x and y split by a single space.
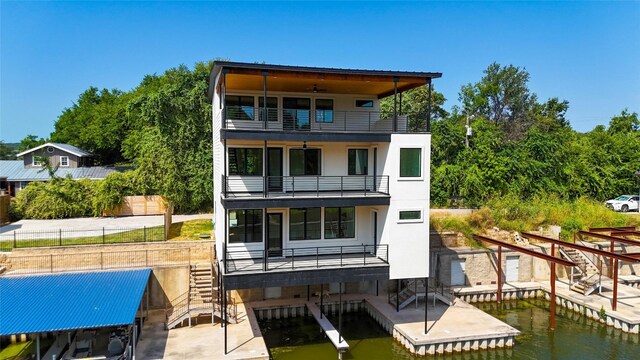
285 264
306 195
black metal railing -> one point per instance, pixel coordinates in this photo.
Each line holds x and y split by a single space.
251 118
318 186
242 260
68 237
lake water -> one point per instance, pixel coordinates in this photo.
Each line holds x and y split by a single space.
575 337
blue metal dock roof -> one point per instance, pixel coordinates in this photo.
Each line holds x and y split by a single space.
69 301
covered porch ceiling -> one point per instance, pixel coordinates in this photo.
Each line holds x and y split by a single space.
379 83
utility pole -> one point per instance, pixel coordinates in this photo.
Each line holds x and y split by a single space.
468 133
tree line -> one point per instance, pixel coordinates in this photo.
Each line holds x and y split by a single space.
520 146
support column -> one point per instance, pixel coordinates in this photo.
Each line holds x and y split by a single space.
321 296
265 162
398 295
499 266
552 322
395 101
428 125
400 105
38 346
264 103
223 95
614 304
135 335
377 293
226 324
340 314
426 298
611 249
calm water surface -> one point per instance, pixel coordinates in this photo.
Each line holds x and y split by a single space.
575 337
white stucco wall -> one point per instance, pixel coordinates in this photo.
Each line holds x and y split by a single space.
408 241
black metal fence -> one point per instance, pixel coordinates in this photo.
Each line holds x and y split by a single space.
252 118
242 260
51 263
65 237
318 186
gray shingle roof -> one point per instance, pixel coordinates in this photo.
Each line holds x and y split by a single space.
14 170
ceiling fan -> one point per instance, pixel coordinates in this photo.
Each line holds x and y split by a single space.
316 89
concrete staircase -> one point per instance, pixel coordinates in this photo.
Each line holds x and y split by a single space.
585 278
200 299
412 289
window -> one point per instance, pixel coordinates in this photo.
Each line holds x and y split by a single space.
35 160
50 149
245 226
324 110
304 224
304 162
339 223
358 162
296 113
64 161
272 108
410 163
364 103
410 216
245 161
239 107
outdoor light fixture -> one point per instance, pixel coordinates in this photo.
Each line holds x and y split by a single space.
304 145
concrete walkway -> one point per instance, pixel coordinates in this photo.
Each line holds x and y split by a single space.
95 223
202 341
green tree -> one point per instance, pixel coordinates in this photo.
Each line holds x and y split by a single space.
29 142
502 96
6 152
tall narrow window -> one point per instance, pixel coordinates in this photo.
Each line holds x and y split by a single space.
239 107
358 160
245 161
272 108
324 110
245 226
339 223
410 162
304 224
304 162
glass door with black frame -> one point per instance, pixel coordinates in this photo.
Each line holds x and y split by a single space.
274 234
274 171
296 114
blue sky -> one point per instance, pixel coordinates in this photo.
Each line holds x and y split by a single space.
50 52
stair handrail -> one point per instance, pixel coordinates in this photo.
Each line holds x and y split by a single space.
563 252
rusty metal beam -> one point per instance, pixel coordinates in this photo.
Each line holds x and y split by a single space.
610 229
625 233
524 250
609 238
581 247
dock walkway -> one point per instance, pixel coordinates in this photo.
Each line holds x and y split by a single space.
328 328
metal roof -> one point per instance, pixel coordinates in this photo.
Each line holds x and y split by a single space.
219 65
64 147
14 170
70 301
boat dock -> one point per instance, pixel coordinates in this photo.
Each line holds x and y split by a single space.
333 334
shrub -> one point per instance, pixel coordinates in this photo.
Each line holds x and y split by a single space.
62 198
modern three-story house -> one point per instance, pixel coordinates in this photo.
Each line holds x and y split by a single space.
314 184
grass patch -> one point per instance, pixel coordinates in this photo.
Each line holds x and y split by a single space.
513 214
191 230
155 233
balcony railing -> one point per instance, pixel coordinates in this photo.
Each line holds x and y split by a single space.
305 186
242 260
278 119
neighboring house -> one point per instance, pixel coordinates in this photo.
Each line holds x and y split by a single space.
314 186
70 160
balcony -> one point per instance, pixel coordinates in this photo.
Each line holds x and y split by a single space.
304 258
274 191
330 121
